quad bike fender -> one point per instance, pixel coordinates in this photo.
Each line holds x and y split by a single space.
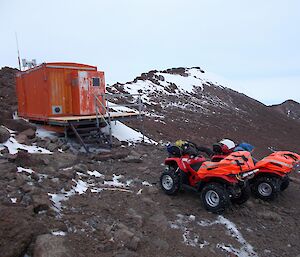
175 162
270 173
281 161
219 179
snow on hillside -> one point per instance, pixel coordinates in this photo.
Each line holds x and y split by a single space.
125 133
184 84
184 88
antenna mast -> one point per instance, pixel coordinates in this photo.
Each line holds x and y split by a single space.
19 59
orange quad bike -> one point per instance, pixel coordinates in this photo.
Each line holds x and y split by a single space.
273 174
219 183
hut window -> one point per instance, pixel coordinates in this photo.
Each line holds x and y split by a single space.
96 82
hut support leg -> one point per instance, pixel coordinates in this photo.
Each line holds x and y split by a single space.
78 137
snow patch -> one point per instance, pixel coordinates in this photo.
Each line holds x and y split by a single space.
68 168
13 147
125 133
189 237
120 108
58 233
146 183
80 187
43 133
21 169
245 250
13 200
192 239
58 198
115 181
95 174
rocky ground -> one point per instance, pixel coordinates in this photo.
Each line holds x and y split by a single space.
55 201
96 206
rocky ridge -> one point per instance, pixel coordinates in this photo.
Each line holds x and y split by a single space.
290 108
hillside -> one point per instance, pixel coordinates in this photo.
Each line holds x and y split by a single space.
204 111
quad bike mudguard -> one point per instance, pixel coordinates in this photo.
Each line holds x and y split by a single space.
279 163
234 163
184 162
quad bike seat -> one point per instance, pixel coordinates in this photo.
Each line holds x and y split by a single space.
218 157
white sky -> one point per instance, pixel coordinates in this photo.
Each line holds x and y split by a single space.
254 44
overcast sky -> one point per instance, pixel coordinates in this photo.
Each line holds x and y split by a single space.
254 44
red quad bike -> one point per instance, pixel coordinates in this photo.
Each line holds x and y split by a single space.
220 183
273 174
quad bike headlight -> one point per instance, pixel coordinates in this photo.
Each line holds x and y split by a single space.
297 167
246 175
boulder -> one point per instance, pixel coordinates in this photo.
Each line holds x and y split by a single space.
54 140
20 179
41 202
4 135
80 167
26 159
30 133
16 231
127 238
50 246
22 139
136 218
132 159
49 170
133 243
66 174
18 125
64 160
52 147
65 147
7 171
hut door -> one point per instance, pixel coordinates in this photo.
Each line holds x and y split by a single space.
84 86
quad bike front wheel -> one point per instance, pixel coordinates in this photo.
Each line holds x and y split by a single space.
266 188
170 182
215 197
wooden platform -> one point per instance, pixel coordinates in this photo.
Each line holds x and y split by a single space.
62 121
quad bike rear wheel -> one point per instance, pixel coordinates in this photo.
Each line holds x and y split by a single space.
170 182
243 197
284 183
266 188
215 197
